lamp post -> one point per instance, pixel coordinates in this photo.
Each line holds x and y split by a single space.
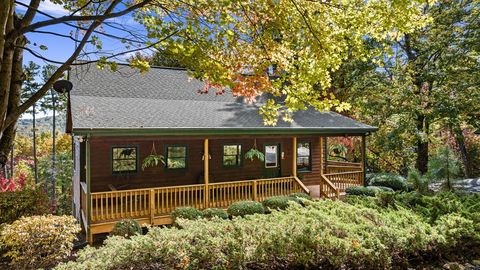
61 87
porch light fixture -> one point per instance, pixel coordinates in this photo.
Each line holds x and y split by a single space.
62 86
203 156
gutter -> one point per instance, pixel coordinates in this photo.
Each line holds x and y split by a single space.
223 131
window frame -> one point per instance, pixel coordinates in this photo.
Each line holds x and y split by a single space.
309 168
239 155
166 156
112 160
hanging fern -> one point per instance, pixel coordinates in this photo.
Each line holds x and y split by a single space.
152 161
254 153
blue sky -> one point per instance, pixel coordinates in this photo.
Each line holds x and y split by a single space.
59 48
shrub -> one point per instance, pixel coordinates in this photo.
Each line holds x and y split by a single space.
363 191
39 241
243 208
27 202
190 213
301 195
278 202
417 181
210 213
323 235
126 228
395 182
382 189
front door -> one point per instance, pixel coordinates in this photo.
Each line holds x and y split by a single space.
272 161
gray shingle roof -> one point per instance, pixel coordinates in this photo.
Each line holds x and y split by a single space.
165 98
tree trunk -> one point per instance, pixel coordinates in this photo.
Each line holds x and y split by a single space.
422 144
12 161
16 79
460 140
54 154
7 64
35 165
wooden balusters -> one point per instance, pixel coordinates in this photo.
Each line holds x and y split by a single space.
343 180
149 203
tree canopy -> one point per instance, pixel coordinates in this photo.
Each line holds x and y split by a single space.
284 47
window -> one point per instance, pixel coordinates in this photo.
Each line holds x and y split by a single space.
303 157
124 159
271 156
232 155
176 157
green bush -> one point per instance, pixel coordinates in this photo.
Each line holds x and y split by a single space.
279 202
243 208
39 241
444 166
126 228
190 213
418 182
382 189
323 235
27 202
301 195
363 191
395 182
210 213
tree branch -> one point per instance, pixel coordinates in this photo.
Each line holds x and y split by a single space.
57 34
73 18
307 22
30 14
83 28
13 116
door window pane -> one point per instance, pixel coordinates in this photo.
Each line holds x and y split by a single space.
304 156
271 156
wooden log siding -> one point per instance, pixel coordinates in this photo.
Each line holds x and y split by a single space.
102 177
138 203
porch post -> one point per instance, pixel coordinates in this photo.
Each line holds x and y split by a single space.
325 154
364 158
321 165
87 180
294 156
205 169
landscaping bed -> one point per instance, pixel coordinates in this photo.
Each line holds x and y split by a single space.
367 233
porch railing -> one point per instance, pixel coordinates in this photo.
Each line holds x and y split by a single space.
147 203
328 189
343 180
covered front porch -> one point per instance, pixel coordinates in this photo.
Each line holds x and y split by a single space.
153 206
103 206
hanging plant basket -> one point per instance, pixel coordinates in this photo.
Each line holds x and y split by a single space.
254 153
153 160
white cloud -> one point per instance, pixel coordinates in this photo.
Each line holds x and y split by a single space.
46 6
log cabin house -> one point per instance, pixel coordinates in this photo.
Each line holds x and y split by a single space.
117 119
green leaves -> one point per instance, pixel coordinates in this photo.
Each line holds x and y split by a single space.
304 41
254 154
152 161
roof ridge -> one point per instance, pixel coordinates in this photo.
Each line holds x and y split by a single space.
169 99
128 65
